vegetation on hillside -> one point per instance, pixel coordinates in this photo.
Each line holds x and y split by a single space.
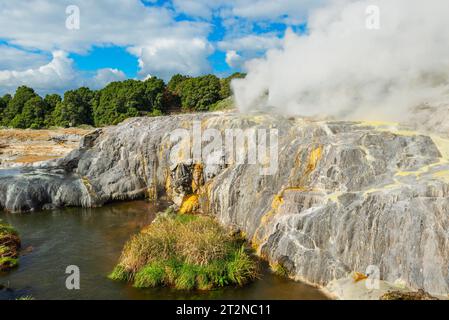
9 247
114 103
185 252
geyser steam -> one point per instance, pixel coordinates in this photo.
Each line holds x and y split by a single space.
348 68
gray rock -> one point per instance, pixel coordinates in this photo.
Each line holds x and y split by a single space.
346 195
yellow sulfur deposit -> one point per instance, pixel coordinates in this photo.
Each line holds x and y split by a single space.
314 158
358 276
197 177
442 175
277 201
385 126
190 205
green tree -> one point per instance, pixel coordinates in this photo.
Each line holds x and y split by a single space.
154 94
2 108
197 94
175 81
4 102
172 97
225 83
52 100
16 104
130 98
6 98
32 116
76 109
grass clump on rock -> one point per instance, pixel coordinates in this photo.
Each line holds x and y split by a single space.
401 295
185 252
9 247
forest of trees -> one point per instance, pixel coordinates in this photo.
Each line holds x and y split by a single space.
114 103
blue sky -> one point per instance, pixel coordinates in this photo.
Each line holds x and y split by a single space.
119 58
120 39
107 57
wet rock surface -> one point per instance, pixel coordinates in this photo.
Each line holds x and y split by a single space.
346 195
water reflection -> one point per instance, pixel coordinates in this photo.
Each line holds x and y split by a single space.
92 239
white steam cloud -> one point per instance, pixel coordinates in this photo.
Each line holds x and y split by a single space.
348 68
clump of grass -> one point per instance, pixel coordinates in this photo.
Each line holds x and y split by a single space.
7 263
9 247
26 298
185 252
402 295
279 270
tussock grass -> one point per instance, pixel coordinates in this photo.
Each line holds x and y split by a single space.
25 298
279 270
9 247
185 252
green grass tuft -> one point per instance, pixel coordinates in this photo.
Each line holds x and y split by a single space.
7 229
120 274
241 267
7 263
9 247
151 275
279 270
185 252
186 278
26 298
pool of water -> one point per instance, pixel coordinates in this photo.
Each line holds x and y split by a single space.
92 239
10 172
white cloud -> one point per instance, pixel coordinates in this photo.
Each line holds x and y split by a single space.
16 59
122 23
251 43
239 17
165 57
197 8
56 76
281 10
233 59
105 76
163 45
238 50
291 11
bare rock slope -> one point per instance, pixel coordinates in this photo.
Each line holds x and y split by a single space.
346 195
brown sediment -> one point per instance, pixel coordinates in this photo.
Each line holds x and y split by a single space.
29 146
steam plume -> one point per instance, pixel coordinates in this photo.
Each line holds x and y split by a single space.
346 69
